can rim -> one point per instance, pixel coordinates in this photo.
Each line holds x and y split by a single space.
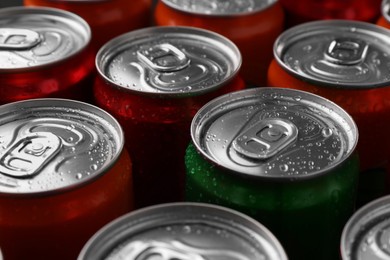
55 12
302 30
117 226
248 92
73 104
231 14
348 229
117 42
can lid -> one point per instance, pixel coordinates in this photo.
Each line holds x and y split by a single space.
54 144
219 7
336 53
385 9
169 60
274 133
366 236
185 231
31 37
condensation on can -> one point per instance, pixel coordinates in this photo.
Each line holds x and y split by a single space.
259 133
53 145
169 61
184 231
336 53
32 38
366 236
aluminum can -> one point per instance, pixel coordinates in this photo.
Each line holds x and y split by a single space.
282 156
384 18
107 18
44 52
186 231
252 25
346 62
153 81
302 11
366 235
63 175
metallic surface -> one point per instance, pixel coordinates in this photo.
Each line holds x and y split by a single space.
274 133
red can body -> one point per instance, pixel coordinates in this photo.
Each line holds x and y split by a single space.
302 11
107 18
157 123
362 90
254 33
57 62
51 213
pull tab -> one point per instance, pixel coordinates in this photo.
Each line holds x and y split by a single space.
164 58
27 156
18 39
266 138
346 51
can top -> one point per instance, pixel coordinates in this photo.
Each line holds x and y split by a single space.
51 145
185 231
274 133
336 53
31 37
385 9
366 235
169 60
219 7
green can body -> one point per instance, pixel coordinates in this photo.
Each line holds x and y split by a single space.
307 214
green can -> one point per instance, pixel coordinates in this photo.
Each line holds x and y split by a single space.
284 157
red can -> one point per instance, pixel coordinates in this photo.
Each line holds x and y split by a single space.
302 11
384 19
44 52
348 63
153 81
252 25
107 18
64 173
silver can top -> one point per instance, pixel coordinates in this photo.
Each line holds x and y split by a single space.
31 37
220 7
51 145
169 60
366 236
274 133
385 9
185 231
336 53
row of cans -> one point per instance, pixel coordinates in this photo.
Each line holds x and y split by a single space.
285 157
253 26
281 156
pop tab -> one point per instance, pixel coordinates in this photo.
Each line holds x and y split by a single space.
18 39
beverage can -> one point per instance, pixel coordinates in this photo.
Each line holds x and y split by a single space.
282 156
153 81
64 173
184 231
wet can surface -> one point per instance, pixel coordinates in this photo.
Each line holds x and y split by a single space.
348 63
107 18
153 81
252 25
384 19
44 52
63 175
366 235
185 231
307 10
284 157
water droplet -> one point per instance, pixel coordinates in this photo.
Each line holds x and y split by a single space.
283 167
326 132
93 167
79 176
